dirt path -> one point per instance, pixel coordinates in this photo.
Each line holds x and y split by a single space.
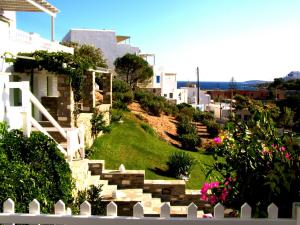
165 126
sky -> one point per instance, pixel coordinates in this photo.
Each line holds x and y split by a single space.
243 39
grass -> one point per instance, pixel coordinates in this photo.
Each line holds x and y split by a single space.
133 144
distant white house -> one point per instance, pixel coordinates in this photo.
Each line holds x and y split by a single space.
111 44
192 97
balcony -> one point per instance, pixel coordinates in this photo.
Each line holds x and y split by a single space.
21 41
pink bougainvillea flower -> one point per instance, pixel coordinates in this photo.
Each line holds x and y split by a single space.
224 195
282 148
217 140
288 156
213 200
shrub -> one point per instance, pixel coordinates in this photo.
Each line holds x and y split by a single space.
32 168
185 126
93 196
116 116
98 124
180 164
122 94
212 128
154 107
189 141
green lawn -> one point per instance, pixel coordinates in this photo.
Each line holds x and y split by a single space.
131 145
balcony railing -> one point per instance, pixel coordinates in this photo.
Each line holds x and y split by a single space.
36 41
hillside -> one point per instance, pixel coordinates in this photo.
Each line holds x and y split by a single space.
138 148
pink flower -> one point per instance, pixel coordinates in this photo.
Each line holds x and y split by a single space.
217 140
213 200
282 149
288 156
224 195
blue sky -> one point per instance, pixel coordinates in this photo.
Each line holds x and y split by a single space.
244 39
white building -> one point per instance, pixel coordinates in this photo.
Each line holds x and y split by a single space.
111 44
192 97
20 104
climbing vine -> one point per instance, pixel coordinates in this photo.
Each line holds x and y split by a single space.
74 66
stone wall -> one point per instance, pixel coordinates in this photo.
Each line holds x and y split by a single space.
128 179
65 107
167 190
88 92
107 88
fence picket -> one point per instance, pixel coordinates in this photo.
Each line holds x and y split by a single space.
165 210
219 211
85 208
272 211
138 210
9 206
59 208
192 211
34 207
112 209
246 211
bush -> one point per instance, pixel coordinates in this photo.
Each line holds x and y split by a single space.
180 164
98 124
93 196
212 128
116 116
185 126
32 168
190 141
122 94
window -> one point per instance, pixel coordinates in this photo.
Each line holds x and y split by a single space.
170 95
165 95
157 79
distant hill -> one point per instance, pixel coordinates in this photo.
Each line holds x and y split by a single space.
256 81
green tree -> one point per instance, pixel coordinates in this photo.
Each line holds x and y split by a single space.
133 69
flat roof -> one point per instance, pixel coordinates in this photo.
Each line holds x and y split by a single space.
28 6
122 38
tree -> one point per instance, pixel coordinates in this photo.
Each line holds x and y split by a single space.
133 69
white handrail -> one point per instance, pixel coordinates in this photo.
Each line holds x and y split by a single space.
42 129
36 102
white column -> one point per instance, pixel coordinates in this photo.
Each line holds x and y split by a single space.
52 28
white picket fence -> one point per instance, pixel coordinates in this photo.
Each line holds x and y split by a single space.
64 216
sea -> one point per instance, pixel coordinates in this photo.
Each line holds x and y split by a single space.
219 85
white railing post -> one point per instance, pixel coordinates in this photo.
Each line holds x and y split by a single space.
298 215
246 211
219 211
85 209
9 207
272 211
165 210
192 211
26 105
112 209
138 210
81 140
34 208
59 208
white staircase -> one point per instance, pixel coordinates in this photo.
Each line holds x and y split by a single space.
20 117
